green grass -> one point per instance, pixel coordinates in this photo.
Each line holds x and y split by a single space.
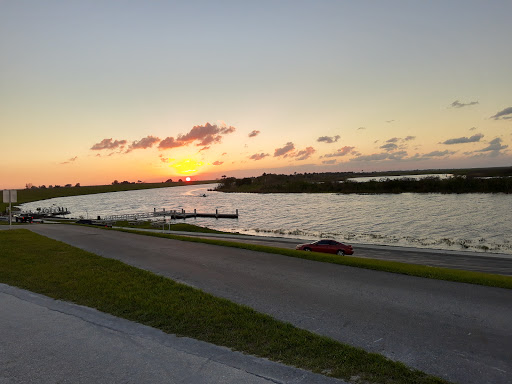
55 269
184 227
455 275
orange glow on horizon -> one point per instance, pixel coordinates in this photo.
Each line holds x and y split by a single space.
187 166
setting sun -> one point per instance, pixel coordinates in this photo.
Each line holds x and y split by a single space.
187 166
188 178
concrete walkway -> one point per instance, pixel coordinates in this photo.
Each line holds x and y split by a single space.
49 341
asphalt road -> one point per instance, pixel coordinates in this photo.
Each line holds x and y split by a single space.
460 332
470 261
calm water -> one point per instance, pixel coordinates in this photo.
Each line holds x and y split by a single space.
473 222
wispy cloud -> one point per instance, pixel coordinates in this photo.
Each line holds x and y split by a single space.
305 153
254 133
288 147
381 156
458 104
146 142
70 160
329 162
409 138
437 154
108 144
505 114
218 163
343 151
494 146
328 139
258 156
389 147
463 140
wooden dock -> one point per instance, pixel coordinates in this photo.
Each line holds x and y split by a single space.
171 214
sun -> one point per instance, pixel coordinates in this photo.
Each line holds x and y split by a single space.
187 178
187 166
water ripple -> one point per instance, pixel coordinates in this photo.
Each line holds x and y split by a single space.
475 222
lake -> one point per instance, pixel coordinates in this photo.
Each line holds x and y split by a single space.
471 222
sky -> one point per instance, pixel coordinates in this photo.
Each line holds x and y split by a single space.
96 91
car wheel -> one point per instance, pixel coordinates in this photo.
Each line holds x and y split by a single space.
307 249
340 252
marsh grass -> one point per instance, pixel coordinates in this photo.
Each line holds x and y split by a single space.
55 269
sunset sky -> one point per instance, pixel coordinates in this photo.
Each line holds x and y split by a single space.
96 91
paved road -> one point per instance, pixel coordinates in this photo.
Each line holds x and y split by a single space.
46 341
470 261
457 331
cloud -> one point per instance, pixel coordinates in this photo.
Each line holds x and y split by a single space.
503 115
259 156
437 154
70 160
305 153
218 163
381 156
169 142
472 129
329 162
392 140
285 150
202 134
463 140
360 128
457 104
144 143
389 121
494 146
389 147
254 133
409 138
108 144
340 152
328 139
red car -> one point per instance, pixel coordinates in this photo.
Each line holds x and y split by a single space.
327 246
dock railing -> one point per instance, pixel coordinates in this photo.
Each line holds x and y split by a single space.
172 214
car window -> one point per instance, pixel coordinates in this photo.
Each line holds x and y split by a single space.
323 242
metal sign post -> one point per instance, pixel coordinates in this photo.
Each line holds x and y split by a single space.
10 196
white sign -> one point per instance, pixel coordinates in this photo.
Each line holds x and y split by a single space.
10 196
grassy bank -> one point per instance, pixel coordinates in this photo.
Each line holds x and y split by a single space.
36 194
183 227
470 277
42 265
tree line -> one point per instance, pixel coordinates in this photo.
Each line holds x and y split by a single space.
271 183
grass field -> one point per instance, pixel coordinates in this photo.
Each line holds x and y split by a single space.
57 270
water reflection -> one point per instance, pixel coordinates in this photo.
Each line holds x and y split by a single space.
476 222
442 176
